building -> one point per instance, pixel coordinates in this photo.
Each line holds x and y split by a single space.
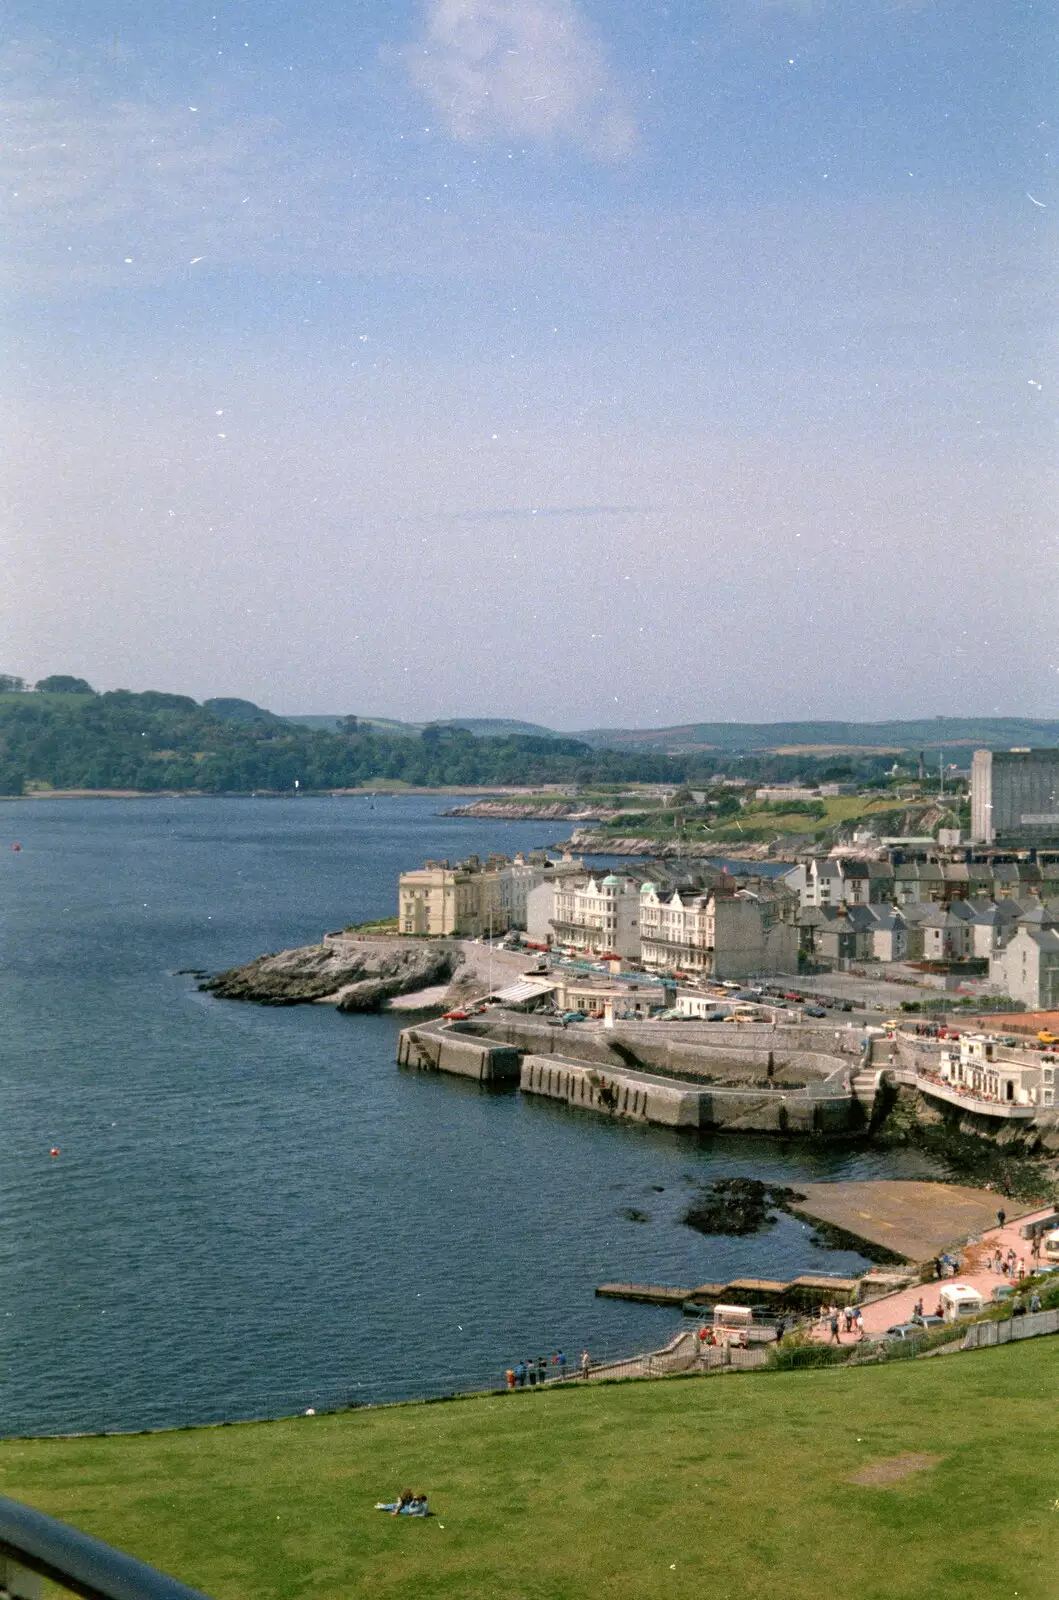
717 935
440 899
837 881
597 916
779 793
1027 968
472 899
614 998
983 1067
1014 796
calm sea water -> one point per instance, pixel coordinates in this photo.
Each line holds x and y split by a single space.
255 1211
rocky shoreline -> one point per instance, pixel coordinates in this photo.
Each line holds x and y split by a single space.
353 972
520 811
586 841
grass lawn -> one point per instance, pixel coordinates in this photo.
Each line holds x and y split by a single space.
733 1486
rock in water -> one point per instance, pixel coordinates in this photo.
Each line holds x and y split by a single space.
356 973
737 1206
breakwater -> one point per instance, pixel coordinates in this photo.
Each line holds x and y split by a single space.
751 1086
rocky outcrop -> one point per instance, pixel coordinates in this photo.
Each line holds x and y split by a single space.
588 842
522 810
354 972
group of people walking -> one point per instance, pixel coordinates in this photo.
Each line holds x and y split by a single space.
842 1319
530 1374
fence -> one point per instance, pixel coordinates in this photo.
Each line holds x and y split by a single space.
33 1545
982 1334
683 1353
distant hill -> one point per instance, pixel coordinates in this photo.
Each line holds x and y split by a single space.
496 727
230 710
750 738
738 738
481 727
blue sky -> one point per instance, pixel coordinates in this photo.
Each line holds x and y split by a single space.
592 363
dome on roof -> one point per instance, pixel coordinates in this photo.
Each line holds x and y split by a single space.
611 882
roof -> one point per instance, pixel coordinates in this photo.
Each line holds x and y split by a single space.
527 989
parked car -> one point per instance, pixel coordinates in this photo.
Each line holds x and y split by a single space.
815 1011
929 1321
903 1331
1002 1292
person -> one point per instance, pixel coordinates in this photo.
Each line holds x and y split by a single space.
1020 1267
586 1364
1035 1247
520 1374
1001 1217
409 1503
781 1328
531 1374
917 1310
1035 1301
509 1377
1018 1306
542 1370
847 1315
858 1321
560 1362
834 1325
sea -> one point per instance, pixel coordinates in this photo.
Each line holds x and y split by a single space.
212 1211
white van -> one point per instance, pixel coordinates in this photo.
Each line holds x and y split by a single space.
959 1300
1050 1246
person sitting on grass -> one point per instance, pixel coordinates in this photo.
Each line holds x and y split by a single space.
409 1503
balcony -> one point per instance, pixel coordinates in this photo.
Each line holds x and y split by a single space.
955 1095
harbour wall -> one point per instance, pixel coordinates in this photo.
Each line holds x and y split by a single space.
645 1097
794 1056
695 1092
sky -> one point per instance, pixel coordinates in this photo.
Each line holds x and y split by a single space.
581 361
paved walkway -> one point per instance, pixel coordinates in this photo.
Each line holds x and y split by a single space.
976 1270
914 1219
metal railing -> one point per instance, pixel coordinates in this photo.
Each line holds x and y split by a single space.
34 1546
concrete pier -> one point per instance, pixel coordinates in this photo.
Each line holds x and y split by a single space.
804 1092
433 1049
668 1102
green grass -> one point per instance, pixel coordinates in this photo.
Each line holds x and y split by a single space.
726 1486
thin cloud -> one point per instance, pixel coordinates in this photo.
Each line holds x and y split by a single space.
528 69
527 513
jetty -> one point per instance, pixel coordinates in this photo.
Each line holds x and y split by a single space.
809 1287
649 1072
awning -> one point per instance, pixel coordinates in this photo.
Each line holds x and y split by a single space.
521 993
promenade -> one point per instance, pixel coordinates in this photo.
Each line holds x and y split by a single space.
976 1270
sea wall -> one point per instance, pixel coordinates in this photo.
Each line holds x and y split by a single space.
643 1097
711 1052
428 1049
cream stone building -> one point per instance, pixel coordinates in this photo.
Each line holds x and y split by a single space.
597 916
473 899
441 899
715 935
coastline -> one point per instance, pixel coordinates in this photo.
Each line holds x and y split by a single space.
382 789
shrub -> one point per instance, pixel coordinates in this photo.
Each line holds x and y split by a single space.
795 1352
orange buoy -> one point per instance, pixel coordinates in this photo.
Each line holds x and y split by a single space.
16 847
54 1151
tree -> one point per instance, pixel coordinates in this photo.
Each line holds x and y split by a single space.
11 685
62 683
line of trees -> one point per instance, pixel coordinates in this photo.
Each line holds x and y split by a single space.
73 739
